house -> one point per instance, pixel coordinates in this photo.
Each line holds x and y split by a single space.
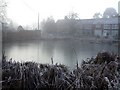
102 27
20 28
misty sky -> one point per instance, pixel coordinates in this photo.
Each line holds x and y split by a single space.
25 12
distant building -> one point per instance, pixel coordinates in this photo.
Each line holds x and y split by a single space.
21 35
102 27
20 28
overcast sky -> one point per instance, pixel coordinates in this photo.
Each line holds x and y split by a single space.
25 12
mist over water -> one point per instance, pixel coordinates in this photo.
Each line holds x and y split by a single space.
62 51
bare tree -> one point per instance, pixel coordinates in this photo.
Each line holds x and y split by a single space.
97 15
3 5
49 25
72 15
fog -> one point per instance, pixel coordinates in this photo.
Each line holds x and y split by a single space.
25 12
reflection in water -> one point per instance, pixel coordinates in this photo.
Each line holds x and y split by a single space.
61 51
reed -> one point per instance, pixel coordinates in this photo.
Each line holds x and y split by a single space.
101 72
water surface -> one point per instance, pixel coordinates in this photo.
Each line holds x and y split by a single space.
63 51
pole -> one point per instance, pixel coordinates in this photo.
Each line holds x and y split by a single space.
37 38
38 21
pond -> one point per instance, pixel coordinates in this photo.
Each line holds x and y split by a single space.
62 51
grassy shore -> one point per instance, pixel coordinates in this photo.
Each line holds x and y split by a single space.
99 73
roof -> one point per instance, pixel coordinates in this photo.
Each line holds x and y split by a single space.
94 21
99 21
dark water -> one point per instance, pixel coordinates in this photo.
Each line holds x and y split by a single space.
65 52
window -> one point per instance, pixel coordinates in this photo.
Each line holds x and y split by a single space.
98 26
114 26
107 26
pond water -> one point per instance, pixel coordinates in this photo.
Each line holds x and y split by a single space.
62 51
